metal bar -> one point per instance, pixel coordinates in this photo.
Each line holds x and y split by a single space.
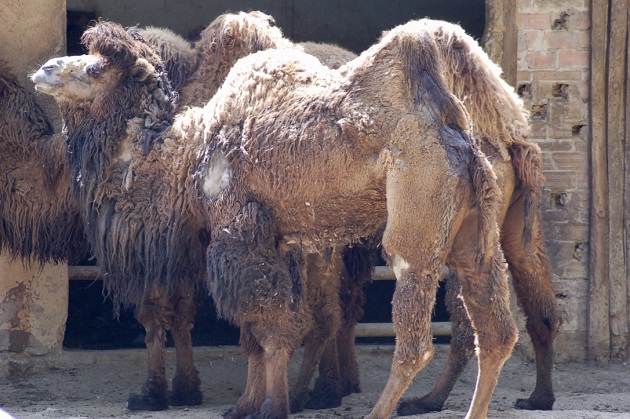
363 330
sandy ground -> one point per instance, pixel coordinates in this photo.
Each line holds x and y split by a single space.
95 384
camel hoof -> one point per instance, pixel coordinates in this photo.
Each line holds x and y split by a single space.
350 389
181 398
535 403
231 413
150 402
323 400
417 407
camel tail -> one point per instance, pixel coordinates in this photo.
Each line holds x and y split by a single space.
488 201
527 163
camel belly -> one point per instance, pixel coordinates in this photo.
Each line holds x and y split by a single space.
329 222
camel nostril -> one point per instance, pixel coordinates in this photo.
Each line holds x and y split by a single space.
48 69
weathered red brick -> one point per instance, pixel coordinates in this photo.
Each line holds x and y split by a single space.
534 21
573 59
580 20
560 180
559 75
560 40
571 161
542 60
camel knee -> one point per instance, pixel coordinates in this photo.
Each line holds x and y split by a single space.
543 327
408 363
499 342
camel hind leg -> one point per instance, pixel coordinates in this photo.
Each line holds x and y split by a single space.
462 349
535 294
333 382
417 240
258 285
322 297
254 394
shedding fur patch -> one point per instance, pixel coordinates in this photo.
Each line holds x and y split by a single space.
399 265
218 176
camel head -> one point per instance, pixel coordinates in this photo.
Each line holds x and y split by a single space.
75 78
119 66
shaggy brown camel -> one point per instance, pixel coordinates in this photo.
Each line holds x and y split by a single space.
197 73
279 161
500 124
38 218
144 264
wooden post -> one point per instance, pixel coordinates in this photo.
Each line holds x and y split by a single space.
492 39
626 214
598 348
616 174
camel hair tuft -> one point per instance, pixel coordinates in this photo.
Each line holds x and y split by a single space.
291 157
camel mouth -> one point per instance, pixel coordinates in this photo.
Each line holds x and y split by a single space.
43 84
47 87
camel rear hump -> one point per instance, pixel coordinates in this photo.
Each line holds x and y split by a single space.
413 50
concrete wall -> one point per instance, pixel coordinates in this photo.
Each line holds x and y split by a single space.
553 77
31 33
33 302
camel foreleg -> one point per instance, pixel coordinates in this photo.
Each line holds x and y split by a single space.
185 391
156 315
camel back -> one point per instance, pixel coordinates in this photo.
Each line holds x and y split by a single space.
227 39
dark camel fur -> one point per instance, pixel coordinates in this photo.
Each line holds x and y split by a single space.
280 161
38 220
151 260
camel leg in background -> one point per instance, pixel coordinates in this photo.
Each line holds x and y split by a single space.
322 299
338 367
156 315
462 349
260 288
536 296
254 394
185 391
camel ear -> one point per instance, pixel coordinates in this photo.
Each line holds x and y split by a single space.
113 43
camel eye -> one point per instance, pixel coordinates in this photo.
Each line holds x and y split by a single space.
94 70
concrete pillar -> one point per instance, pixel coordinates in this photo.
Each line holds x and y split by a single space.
33 307
33 301
31 33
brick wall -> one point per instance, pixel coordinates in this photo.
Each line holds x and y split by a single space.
553 79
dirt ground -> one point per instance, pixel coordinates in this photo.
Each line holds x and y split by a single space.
95 384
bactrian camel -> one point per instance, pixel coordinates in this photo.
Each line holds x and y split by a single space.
291 157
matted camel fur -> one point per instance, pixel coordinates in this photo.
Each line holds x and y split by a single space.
280 161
